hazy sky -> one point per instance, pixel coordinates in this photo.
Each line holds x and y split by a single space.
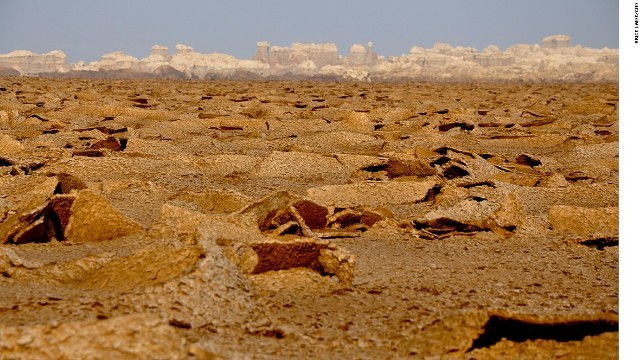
87 29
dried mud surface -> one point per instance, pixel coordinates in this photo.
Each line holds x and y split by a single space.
231 220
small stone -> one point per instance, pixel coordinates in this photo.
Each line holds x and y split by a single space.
345 218
59 211
299 165
304 228
254 112
289 228
67 183
528 160
555 180
109 143
175 221
454 171
369 218
89 153
371 194
25 339
9 145
510 213
583 221
93 219
424 153
34 232
340 263
314 215
444 226
398 168
20 223
287 254
267 208
359 122
248 260
216 201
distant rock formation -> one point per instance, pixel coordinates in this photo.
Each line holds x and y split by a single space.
28 63
359 55
319 54
159 58
556 42
160 51
116 60
553 60
491 56
7 71
262 54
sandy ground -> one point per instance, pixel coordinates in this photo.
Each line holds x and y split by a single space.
269 220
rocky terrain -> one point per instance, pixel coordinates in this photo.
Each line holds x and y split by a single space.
554 60
268 220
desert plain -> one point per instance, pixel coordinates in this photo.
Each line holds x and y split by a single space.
193 219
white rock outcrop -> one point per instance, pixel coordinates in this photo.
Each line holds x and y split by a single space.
320 54
553 60
158 58
361 55
29 63
116 60
556 42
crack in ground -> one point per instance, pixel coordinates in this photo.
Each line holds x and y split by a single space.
499 327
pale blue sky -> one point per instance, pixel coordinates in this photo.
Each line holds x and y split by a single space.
87 29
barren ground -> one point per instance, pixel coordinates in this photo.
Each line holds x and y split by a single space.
178 219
